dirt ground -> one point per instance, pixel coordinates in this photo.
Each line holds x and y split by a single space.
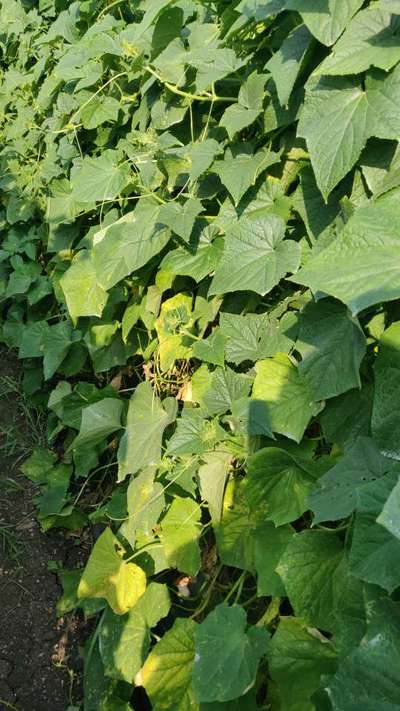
39 660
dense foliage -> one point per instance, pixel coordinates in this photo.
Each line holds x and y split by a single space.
200 212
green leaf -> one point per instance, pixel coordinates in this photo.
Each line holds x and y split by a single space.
348 416
69 600
358 266
309 203
211 349
128 244
82 290
145 499
332 346
213 64
269 545
234 533
227 656
335 496
249 106
307 568
181 218
39 465
239 170
56 344
98 421
374 551
326 19
334 123
108 576
98 179
385 423
167 671
179 535
351 598
285 64
383 91
99 110
124 640
201 156
388 517
277 484
368 678
289 402
140 444
237 117
194 433
212 475
226 386
252 337
298 656
54 495
198 259
371 39
255 256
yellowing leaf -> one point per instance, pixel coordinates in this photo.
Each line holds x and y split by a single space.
108 576
173 329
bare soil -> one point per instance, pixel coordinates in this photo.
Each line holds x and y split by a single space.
40 667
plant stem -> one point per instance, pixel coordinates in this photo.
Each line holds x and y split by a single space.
187 95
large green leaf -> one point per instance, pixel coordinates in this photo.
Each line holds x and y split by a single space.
370 39
269 545
225 388
195 434
254 336
167 671
348 416
179 535
141 442
227 656
332 345
277 484
56 344
125 639
368 678
298 657
99 178
285 64
255 256
249 106
335 495
98 421
388 517
181 218
326 19
235 532
334 123
309 203
198 259
307 568
374 551
239 170
83 292
358 266
128 244
288 401
145 503
212 475
385 423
